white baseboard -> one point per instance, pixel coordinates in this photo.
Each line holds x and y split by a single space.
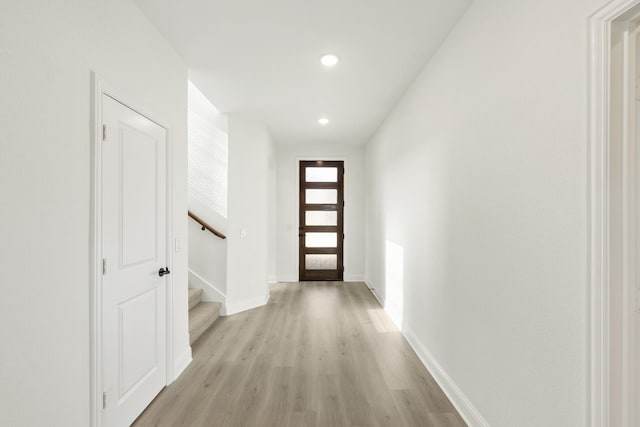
287 279
375 294
377 297
181 363
394 314
209 292
237 307
463 405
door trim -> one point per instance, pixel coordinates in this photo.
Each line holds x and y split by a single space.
98 91
606 211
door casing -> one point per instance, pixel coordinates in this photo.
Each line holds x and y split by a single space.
612 171
99 89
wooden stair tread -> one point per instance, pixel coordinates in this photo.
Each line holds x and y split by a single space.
201 317
195 296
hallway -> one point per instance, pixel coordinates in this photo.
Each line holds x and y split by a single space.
318 354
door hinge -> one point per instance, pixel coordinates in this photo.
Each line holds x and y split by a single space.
104 132
104 400
104 266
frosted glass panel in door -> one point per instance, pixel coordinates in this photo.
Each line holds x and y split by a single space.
321 262
321 174
322 240
321 218
319 197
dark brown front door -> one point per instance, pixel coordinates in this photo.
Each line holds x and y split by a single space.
321 220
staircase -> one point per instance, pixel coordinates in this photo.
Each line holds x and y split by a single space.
201 314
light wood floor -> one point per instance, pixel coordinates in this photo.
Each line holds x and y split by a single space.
319 354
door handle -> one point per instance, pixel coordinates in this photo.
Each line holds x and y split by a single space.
163 271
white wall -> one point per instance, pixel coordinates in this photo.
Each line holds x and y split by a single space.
47 52
288 219
250 157
477 210
208 253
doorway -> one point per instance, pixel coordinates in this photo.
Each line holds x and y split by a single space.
131 286
321 230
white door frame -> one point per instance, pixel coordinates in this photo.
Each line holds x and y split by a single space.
100 89
611 217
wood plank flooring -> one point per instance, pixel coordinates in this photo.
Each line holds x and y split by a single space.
319 354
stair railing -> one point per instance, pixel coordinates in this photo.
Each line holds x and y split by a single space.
206 226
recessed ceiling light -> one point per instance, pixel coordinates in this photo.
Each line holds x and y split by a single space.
323 121
329 60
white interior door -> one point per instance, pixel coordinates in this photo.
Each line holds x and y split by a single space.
134 250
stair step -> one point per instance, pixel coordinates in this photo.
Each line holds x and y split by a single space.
201 317
195 296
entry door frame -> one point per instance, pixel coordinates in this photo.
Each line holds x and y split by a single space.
612 211
296 179
99 90
339 187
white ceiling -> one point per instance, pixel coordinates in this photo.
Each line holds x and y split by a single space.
262 58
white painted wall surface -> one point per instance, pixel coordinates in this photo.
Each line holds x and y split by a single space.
476 201
207 252
47 51
287 196
207 127
250 148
